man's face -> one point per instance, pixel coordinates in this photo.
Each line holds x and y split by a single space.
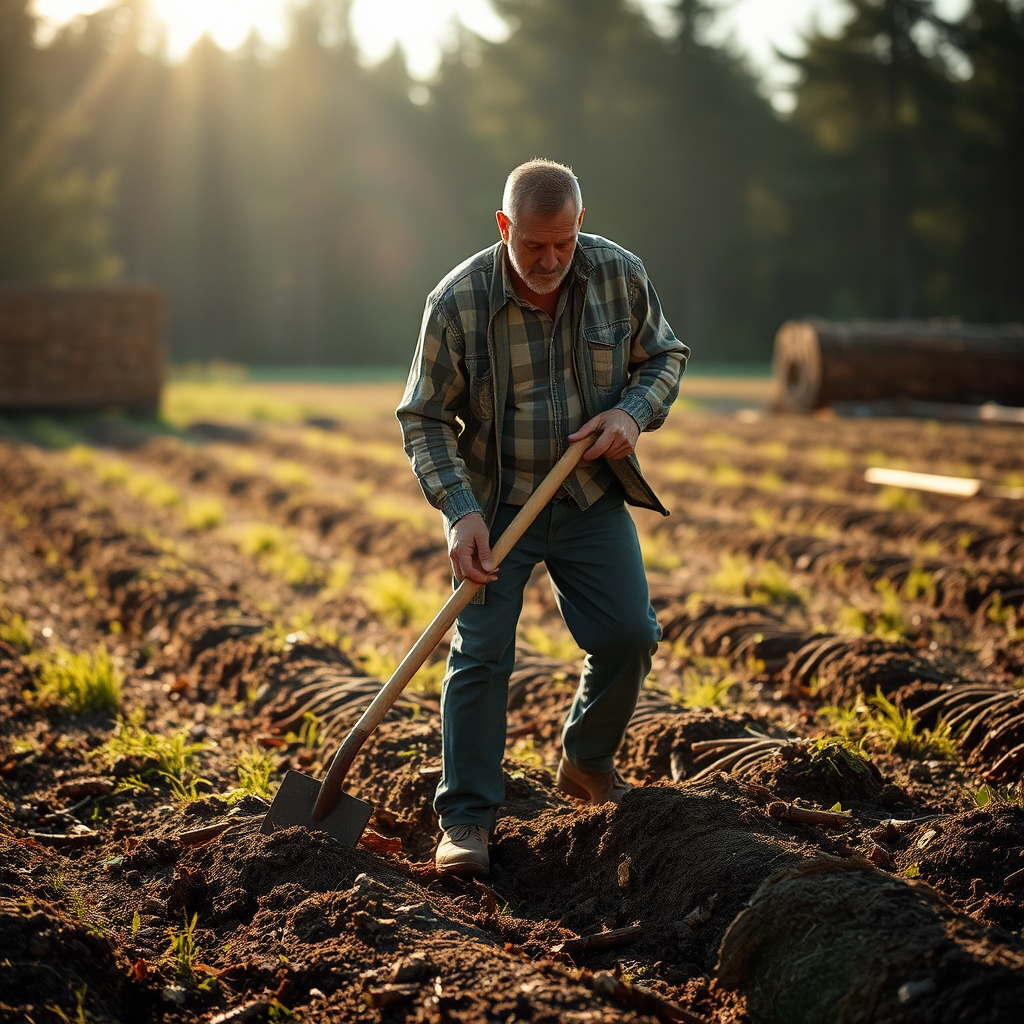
540 246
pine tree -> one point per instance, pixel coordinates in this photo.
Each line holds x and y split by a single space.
54 226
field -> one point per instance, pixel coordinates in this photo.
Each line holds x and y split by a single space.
828 824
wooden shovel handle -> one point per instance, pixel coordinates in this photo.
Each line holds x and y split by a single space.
330 788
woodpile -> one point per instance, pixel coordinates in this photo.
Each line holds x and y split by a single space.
81 349
820 362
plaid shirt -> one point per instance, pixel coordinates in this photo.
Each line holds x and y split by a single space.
543 405
624 356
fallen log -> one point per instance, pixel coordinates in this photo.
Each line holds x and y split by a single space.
820 362
817 945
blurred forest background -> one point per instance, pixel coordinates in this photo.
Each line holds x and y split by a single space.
297 205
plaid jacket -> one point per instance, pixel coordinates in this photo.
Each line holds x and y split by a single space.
625 356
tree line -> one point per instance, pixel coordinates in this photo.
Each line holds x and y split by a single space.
296 205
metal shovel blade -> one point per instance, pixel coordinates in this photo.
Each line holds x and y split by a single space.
294 803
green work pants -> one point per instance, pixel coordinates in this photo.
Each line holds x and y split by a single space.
597 574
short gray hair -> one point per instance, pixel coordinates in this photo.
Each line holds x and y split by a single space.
540 186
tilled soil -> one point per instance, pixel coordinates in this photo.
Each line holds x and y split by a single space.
756 872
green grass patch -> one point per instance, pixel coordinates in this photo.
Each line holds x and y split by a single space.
290 474
695 690
830 458
153 491
77 683
278 555
877 723
838 759
1011 794
254 768
113 472
399 601
426 681
184 402
203 514
309 734
765 583
658 553
726 475
15 631
159 757
560 646
899 499
183 954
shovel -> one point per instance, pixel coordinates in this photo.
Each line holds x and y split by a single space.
323 806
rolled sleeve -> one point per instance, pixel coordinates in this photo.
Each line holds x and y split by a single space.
429 416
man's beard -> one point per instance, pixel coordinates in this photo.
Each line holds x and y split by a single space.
540 284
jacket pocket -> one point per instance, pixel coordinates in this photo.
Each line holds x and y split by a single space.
608 344
481 388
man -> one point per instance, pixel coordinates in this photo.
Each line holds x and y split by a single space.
546 337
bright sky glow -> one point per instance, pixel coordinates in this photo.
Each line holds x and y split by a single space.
423 29
759 27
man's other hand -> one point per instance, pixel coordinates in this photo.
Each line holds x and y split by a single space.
617 434
469 548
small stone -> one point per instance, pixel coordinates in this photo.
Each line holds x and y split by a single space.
911 990
361 919
79 788
880 856
174 994
695 918
413 968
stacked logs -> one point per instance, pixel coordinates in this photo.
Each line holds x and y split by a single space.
80 349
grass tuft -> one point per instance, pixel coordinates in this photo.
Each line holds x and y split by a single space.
838 759
203 514
659 555
427 680
698 691
878 722
78 683
1011 794
562 646
183 952
255 766
763 584
174 756
397 599
15 631
153 491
